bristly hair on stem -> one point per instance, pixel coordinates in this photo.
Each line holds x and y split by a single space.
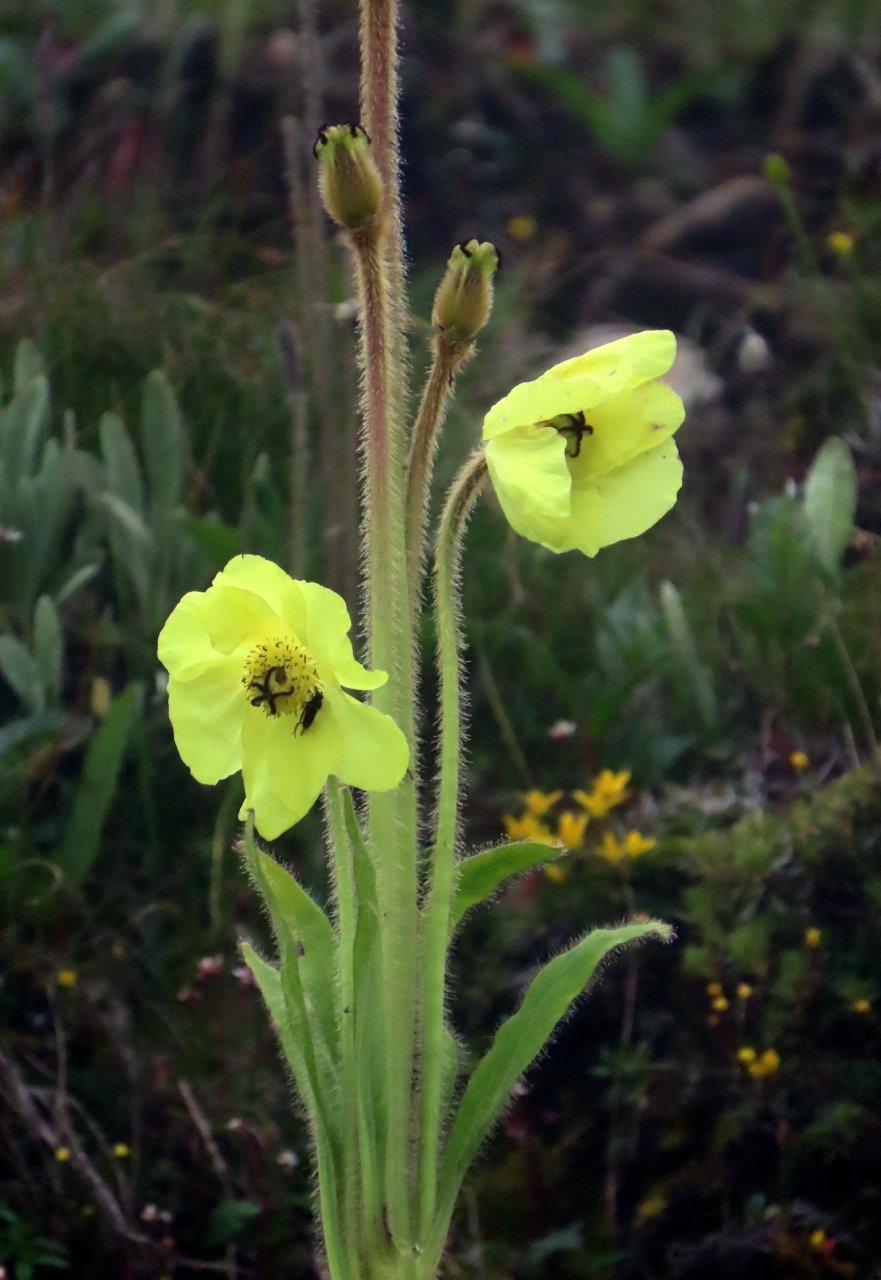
460 501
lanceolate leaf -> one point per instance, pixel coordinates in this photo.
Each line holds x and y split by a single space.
518 1042
482 873
830 502
97 787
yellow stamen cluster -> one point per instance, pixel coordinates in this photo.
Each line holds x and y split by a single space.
281 677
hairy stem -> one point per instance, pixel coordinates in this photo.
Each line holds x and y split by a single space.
392 814
341 863
448 356
460 500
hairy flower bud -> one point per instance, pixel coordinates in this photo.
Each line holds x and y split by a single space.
351 187
464 299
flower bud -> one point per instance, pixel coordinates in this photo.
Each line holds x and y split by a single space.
348 178
464 299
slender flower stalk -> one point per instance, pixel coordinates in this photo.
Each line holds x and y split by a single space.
460 501
449 354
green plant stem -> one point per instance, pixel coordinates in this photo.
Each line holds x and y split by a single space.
346 915
448 356
460 500
392 814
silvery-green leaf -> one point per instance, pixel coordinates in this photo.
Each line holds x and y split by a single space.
21 671
121 467
830 502
163 442
29 364
478 877
48 647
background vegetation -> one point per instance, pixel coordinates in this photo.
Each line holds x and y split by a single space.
176 336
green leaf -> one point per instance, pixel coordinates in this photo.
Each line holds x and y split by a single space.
482 873
97 787
21 671
228 1219
121 466
288 1028
518 1042
296 917
48 647
29 364
162 439
830 502
219 542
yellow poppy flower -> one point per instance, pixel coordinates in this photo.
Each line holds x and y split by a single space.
582 456
257 665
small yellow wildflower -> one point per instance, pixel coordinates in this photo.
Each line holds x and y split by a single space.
608 791
813 936
841 243
570 829
522 226
766 1065
100 697
744 991
720 1004
714 990
862 1006
556 871
746 1055
528 828
62 1154
632 846
817 1239
257 668
583 456
121 1150
539 802
799 761
66 977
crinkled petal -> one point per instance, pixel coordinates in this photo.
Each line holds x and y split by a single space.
284 769
271 583
532 482
584 529
327 635
626 363
207 626
635 496
537 401
625 426
206 716
375 753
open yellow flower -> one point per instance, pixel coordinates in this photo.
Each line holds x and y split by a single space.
609 790
582 456
257 665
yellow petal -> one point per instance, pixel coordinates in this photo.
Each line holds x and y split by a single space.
285 771
374 754
267 580
326 634
539 400
528 470
206 716
206 626
637 495
643 355
625 426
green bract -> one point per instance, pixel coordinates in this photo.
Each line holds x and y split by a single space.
583 457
